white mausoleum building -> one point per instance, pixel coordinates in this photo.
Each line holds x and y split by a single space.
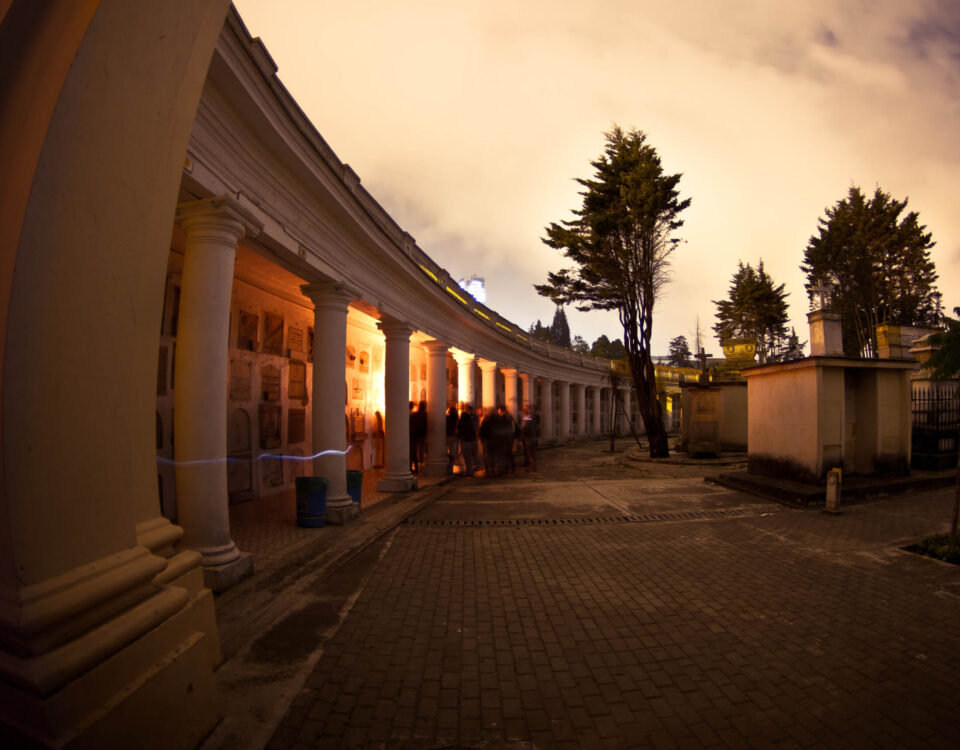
191 275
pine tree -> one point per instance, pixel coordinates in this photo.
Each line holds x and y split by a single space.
560 328
679 352
879 265
620 243
754 309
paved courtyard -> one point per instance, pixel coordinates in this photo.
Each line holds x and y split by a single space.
595 604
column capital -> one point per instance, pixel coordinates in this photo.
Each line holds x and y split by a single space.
509 370
545 380
435 347
221 213
463 358
329 295
393 327
487 365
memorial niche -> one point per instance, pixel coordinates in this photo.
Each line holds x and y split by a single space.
296 425
295 342
363 363
247 327
297 381
239 380
239 456
270 415
272 334
273 470
270 383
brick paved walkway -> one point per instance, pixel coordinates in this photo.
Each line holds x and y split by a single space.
772 628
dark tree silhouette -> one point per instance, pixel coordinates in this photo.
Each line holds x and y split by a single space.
620 242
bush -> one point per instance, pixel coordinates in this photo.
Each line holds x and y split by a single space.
939 547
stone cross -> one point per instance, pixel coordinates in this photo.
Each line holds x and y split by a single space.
823 289
702 356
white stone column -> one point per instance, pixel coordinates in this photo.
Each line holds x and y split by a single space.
510 390
564 433
597 413
489 395
527 399
628 413
579 394
546 410
330 303
465 385
212 228
396 392
436 464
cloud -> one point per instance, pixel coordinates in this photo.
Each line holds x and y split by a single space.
469 121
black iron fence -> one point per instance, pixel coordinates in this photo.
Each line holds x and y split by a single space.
936 421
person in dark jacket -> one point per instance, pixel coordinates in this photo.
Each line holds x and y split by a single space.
421 432
485 433
529 431
467 436
451 434
414 461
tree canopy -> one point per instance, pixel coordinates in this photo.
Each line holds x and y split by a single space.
604 347
879 265
754 309
679 352
620 241
560 328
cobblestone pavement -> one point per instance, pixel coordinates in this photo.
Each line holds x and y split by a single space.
580 609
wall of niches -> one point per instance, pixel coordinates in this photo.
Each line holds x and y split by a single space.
269 387
269 384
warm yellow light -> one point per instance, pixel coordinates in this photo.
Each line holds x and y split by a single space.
456 295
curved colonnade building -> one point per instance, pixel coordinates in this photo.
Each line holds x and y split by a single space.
291 310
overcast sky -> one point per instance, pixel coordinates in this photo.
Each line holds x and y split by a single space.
468 121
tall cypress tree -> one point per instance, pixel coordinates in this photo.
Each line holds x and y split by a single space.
879 264
620 242
560 328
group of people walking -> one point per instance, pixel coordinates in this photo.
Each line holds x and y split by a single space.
472 437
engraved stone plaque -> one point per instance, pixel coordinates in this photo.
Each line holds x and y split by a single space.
295 342
297 381
270 425
239 380
270 383
272 334
247 326
296 425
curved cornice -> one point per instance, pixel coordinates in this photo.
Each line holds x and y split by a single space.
252 140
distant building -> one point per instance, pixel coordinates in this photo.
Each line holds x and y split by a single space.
474 287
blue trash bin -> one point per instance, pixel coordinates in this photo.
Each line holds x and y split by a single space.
311 501
355 485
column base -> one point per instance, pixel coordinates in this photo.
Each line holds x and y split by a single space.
399 483
157 693
219 578
342 513
437 467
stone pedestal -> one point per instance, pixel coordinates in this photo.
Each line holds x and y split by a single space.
212 228
330 304
826 334
704 439
397 476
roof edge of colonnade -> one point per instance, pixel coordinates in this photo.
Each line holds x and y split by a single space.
251 140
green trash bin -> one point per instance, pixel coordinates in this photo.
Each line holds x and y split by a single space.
311 501
355 485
